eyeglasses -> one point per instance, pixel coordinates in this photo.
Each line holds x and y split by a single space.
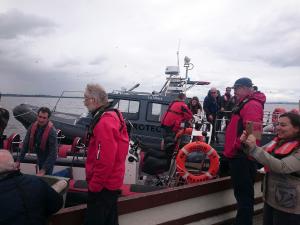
87 98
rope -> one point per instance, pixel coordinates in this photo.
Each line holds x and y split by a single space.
25 113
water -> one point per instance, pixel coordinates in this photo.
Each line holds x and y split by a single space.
73 105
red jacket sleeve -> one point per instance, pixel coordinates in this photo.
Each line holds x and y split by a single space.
253 112
106 141
187 113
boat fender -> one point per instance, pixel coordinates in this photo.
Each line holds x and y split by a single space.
197 146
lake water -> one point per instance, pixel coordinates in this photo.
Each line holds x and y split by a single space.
73 105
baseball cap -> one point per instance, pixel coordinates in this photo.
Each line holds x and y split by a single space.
244 81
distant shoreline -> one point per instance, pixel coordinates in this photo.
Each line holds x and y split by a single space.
56 96
39 96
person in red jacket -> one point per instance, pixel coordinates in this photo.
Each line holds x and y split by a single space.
107 151
178 112
242 170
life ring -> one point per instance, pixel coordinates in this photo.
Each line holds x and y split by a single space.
197 146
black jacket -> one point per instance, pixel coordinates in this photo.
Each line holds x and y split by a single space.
26 200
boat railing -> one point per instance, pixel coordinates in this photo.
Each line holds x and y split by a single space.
62 95
221 123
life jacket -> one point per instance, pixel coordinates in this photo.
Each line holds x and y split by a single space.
237 123
176 113
97 116
282 151
44 136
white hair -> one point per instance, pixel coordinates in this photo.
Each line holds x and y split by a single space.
97 91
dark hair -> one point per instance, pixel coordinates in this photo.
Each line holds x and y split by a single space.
44 110
294 118
181 96
4 117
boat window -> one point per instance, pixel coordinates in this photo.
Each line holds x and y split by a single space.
129 108
155 111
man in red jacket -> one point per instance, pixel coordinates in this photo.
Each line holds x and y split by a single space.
178 112
107 151
242 169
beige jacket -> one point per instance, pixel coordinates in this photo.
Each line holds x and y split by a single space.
281 187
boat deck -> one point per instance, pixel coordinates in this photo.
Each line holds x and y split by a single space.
257 220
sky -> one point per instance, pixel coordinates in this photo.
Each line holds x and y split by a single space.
47 47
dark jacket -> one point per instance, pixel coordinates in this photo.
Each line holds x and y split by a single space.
210 105
47 157
248 109
26 200
227 102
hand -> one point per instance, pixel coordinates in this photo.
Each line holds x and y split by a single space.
210 118
17 165
244 136
251 141
41 173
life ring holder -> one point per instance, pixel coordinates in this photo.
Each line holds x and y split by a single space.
206 149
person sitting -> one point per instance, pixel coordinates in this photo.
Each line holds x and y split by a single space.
281 158
25 199
195 105
41 139
275 115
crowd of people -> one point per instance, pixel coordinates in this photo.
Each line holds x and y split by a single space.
108 143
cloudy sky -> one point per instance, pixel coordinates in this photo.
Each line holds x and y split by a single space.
54 45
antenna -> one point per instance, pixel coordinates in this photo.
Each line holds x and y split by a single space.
178 48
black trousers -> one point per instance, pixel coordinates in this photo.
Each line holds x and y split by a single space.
102 208
276 217
243 171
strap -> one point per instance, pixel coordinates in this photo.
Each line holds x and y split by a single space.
98 116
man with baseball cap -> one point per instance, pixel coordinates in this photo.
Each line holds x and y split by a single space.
249 108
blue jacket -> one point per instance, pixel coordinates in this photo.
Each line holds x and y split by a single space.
26 200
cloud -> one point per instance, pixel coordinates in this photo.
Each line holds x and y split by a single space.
47 46
98 60
272 39
15 23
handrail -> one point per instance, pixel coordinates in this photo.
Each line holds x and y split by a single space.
62 93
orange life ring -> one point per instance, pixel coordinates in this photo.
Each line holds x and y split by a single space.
197 146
